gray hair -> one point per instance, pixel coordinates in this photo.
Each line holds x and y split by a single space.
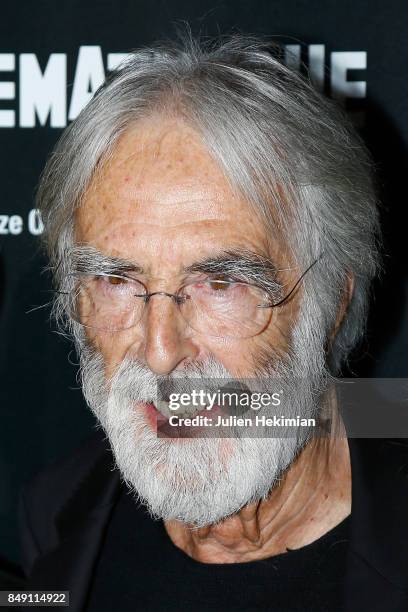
278 141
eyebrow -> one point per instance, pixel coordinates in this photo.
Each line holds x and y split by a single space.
243 263
239 262
86 259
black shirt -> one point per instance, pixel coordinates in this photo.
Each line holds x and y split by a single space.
141 569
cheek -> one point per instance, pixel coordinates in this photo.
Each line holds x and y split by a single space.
233 354
112 347
278 333
278 336
243 356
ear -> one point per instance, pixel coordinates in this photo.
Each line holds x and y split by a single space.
347 294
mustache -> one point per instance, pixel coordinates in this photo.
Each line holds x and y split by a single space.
133 381
136 382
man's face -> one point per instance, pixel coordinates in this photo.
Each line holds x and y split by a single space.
163 203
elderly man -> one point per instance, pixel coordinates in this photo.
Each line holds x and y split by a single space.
210 216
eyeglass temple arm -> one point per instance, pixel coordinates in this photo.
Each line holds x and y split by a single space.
294 286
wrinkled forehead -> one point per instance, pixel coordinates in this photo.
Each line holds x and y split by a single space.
161 174
168 149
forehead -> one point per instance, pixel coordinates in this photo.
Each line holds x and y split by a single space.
161 177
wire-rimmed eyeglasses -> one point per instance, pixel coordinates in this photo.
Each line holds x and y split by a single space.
214 306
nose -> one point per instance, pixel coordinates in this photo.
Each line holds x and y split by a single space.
167 342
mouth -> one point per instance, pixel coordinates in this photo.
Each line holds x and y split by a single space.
159 420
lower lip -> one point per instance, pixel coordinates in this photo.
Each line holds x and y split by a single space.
158 421
153 416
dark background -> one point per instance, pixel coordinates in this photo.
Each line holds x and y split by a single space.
42 411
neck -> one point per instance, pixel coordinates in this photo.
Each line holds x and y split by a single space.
313 497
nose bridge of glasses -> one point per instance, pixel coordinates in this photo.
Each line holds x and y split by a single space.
161 321
177 299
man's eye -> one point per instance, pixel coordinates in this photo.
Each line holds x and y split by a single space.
221 282
115 284
116 280
219 285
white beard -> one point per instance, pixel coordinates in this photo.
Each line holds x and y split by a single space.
199 481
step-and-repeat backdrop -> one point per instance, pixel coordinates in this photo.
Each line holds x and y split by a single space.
53 56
